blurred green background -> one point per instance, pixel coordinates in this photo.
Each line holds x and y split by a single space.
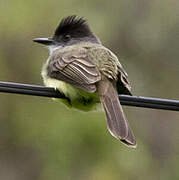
41 139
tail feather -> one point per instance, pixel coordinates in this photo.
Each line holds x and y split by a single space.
117 123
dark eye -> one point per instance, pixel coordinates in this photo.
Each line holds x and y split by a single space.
66 37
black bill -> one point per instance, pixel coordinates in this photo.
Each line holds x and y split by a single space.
45 41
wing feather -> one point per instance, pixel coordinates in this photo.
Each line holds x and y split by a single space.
75 69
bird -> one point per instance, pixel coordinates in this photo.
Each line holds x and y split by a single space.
87 73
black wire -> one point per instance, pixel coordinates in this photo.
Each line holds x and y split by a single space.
138 101
25 86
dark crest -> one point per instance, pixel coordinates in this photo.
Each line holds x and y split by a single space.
73 25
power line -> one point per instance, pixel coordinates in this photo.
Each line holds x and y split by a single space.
138 101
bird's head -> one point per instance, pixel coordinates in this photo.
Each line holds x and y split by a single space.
71 30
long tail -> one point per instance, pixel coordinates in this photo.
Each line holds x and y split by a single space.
117 123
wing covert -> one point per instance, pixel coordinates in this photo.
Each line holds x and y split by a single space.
76 69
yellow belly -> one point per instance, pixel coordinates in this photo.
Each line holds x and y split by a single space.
79 98
63 87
